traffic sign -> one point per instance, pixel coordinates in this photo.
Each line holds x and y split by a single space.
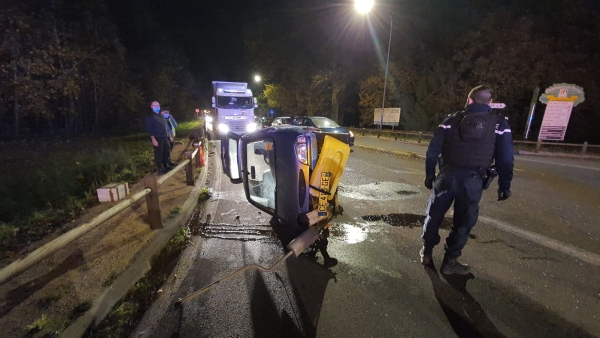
498 105
272 111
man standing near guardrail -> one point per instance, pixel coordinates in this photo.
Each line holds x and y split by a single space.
468 142
156 126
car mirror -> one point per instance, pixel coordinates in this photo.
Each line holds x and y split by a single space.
230 158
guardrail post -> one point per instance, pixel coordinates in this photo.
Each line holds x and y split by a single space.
363 132
189 169
396 135
378 133
584 148
154 217
538 146
420 136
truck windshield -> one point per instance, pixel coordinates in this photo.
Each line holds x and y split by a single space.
234 102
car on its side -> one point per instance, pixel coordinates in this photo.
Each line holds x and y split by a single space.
281 120
325 124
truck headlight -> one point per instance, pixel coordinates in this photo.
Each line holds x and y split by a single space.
302 150
208 119
223 128
251 127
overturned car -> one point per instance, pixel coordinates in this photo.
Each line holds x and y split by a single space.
291 173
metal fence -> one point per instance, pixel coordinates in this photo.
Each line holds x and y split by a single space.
534 146
150 191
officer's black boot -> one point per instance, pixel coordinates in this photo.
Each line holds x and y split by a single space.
451 266
425 254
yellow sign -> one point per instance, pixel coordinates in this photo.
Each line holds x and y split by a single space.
558 98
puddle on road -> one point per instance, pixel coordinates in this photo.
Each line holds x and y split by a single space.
351 233
358 232
405 220
378 191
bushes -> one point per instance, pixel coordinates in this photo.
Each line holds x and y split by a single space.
48 187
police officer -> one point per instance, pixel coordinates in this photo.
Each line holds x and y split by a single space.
468 142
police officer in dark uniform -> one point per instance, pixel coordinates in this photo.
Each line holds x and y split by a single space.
468 142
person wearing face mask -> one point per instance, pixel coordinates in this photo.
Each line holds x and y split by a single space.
156 126
171 125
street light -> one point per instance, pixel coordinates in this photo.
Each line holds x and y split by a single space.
257 78
364 7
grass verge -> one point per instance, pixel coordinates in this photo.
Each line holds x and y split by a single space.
127 313
51 182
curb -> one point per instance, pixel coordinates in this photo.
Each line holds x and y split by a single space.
119 288
393 152
557 155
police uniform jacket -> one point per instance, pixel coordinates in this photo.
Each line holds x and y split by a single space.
502 152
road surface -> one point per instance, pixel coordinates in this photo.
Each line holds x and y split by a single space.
535 261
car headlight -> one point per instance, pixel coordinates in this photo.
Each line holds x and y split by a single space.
251 127
351 133
302 150
223 128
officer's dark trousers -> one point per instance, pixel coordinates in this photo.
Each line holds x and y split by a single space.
162 153
464 188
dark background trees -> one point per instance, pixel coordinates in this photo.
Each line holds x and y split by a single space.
86 66
93 66
439 51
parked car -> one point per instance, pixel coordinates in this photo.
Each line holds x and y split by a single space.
281 120
324 123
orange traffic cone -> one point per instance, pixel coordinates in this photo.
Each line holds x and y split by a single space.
201 154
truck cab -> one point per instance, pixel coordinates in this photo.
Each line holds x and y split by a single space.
234 108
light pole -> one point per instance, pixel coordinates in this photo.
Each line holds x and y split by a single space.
387 63
364 7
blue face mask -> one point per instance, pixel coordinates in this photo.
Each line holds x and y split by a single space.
156 109
166 115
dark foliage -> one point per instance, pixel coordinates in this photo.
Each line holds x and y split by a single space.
86 66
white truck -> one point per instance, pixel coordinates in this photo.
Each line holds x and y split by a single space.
234 108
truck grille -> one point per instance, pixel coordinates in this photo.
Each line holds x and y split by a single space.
238 127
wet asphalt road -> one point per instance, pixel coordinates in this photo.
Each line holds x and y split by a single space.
523 284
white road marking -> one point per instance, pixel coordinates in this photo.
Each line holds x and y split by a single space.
548 242
558 164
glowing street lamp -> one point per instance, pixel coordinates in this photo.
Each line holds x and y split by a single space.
257 78
363 7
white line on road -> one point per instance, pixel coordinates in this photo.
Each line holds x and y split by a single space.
559 164
548 242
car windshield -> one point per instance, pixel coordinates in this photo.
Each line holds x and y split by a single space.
324 122
234 102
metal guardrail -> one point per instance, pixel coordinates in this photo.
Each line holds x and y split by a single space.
150 191
584 148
